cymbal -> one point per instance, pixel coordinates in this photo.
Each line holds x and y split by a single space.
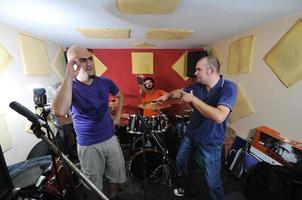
179 108
174 101
153 106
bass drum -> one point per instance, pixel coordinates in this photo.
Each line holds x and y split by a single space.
154 162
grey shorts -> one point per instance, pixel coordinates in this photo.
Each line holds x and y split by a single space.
103 160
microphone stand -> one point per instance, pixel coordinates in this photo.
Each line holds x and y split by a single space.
164 150
41 134
144 161
38 123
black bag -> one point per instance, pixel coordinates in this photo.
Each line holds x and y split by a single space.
271 182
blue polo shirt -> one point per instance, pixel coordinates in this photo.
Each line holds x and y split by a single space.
90 110
205 130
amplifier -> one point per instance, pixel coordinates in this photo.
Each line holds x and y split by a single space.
271 147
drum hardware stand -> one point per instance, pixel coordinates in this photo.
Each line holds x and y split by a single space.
147 142
166 173
38 123
163 150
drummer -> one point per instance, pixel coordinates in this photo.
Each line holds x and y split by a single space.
148 94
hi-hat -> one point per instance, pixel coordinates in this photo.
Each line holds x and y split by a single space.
153 106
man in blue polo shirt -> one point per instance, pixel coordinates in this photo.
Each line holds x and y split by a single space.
212 98
86 97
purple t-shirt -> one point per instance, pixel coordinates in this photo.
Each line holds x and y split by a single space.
90 110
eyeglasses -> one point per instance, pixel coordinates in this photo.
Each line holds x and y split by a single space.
85 60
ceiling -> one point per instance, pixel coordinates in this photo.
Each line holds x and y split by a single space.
211 20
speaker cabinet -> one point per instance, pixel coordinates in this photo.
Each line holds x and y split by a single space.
193 58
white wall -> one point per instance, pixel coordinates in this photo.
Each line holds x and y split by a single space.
275 106
16 86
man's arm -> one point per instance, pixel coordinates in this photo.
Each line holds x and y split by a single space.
217 114
173 94
62 101
120 99
140 82
142 90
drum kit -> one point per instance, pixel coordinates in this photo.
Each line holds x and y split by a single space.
158 124
149 137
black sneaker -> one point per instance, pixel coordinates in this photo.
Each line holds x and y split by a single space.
180 192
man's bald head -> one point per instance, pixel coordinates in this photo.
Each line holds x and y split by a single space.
83 59
75 52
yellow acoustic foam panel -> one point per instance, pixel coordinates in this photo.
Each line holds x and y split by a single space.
285 58
105 33
214 52
34 55
240 55
5 139
151 7
180 66
99 67
242 107
143 45
60 64
168 34
5 58
142 62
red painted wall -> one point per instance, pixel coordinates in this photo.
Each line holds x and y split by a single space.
118 62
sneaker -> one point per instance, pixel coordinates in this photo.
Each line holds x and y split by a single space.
180 192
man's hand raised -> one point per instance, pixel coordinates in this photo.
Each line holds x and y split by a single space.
73 68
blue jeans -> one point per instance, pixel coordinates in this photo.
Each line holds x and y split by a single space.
211 155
